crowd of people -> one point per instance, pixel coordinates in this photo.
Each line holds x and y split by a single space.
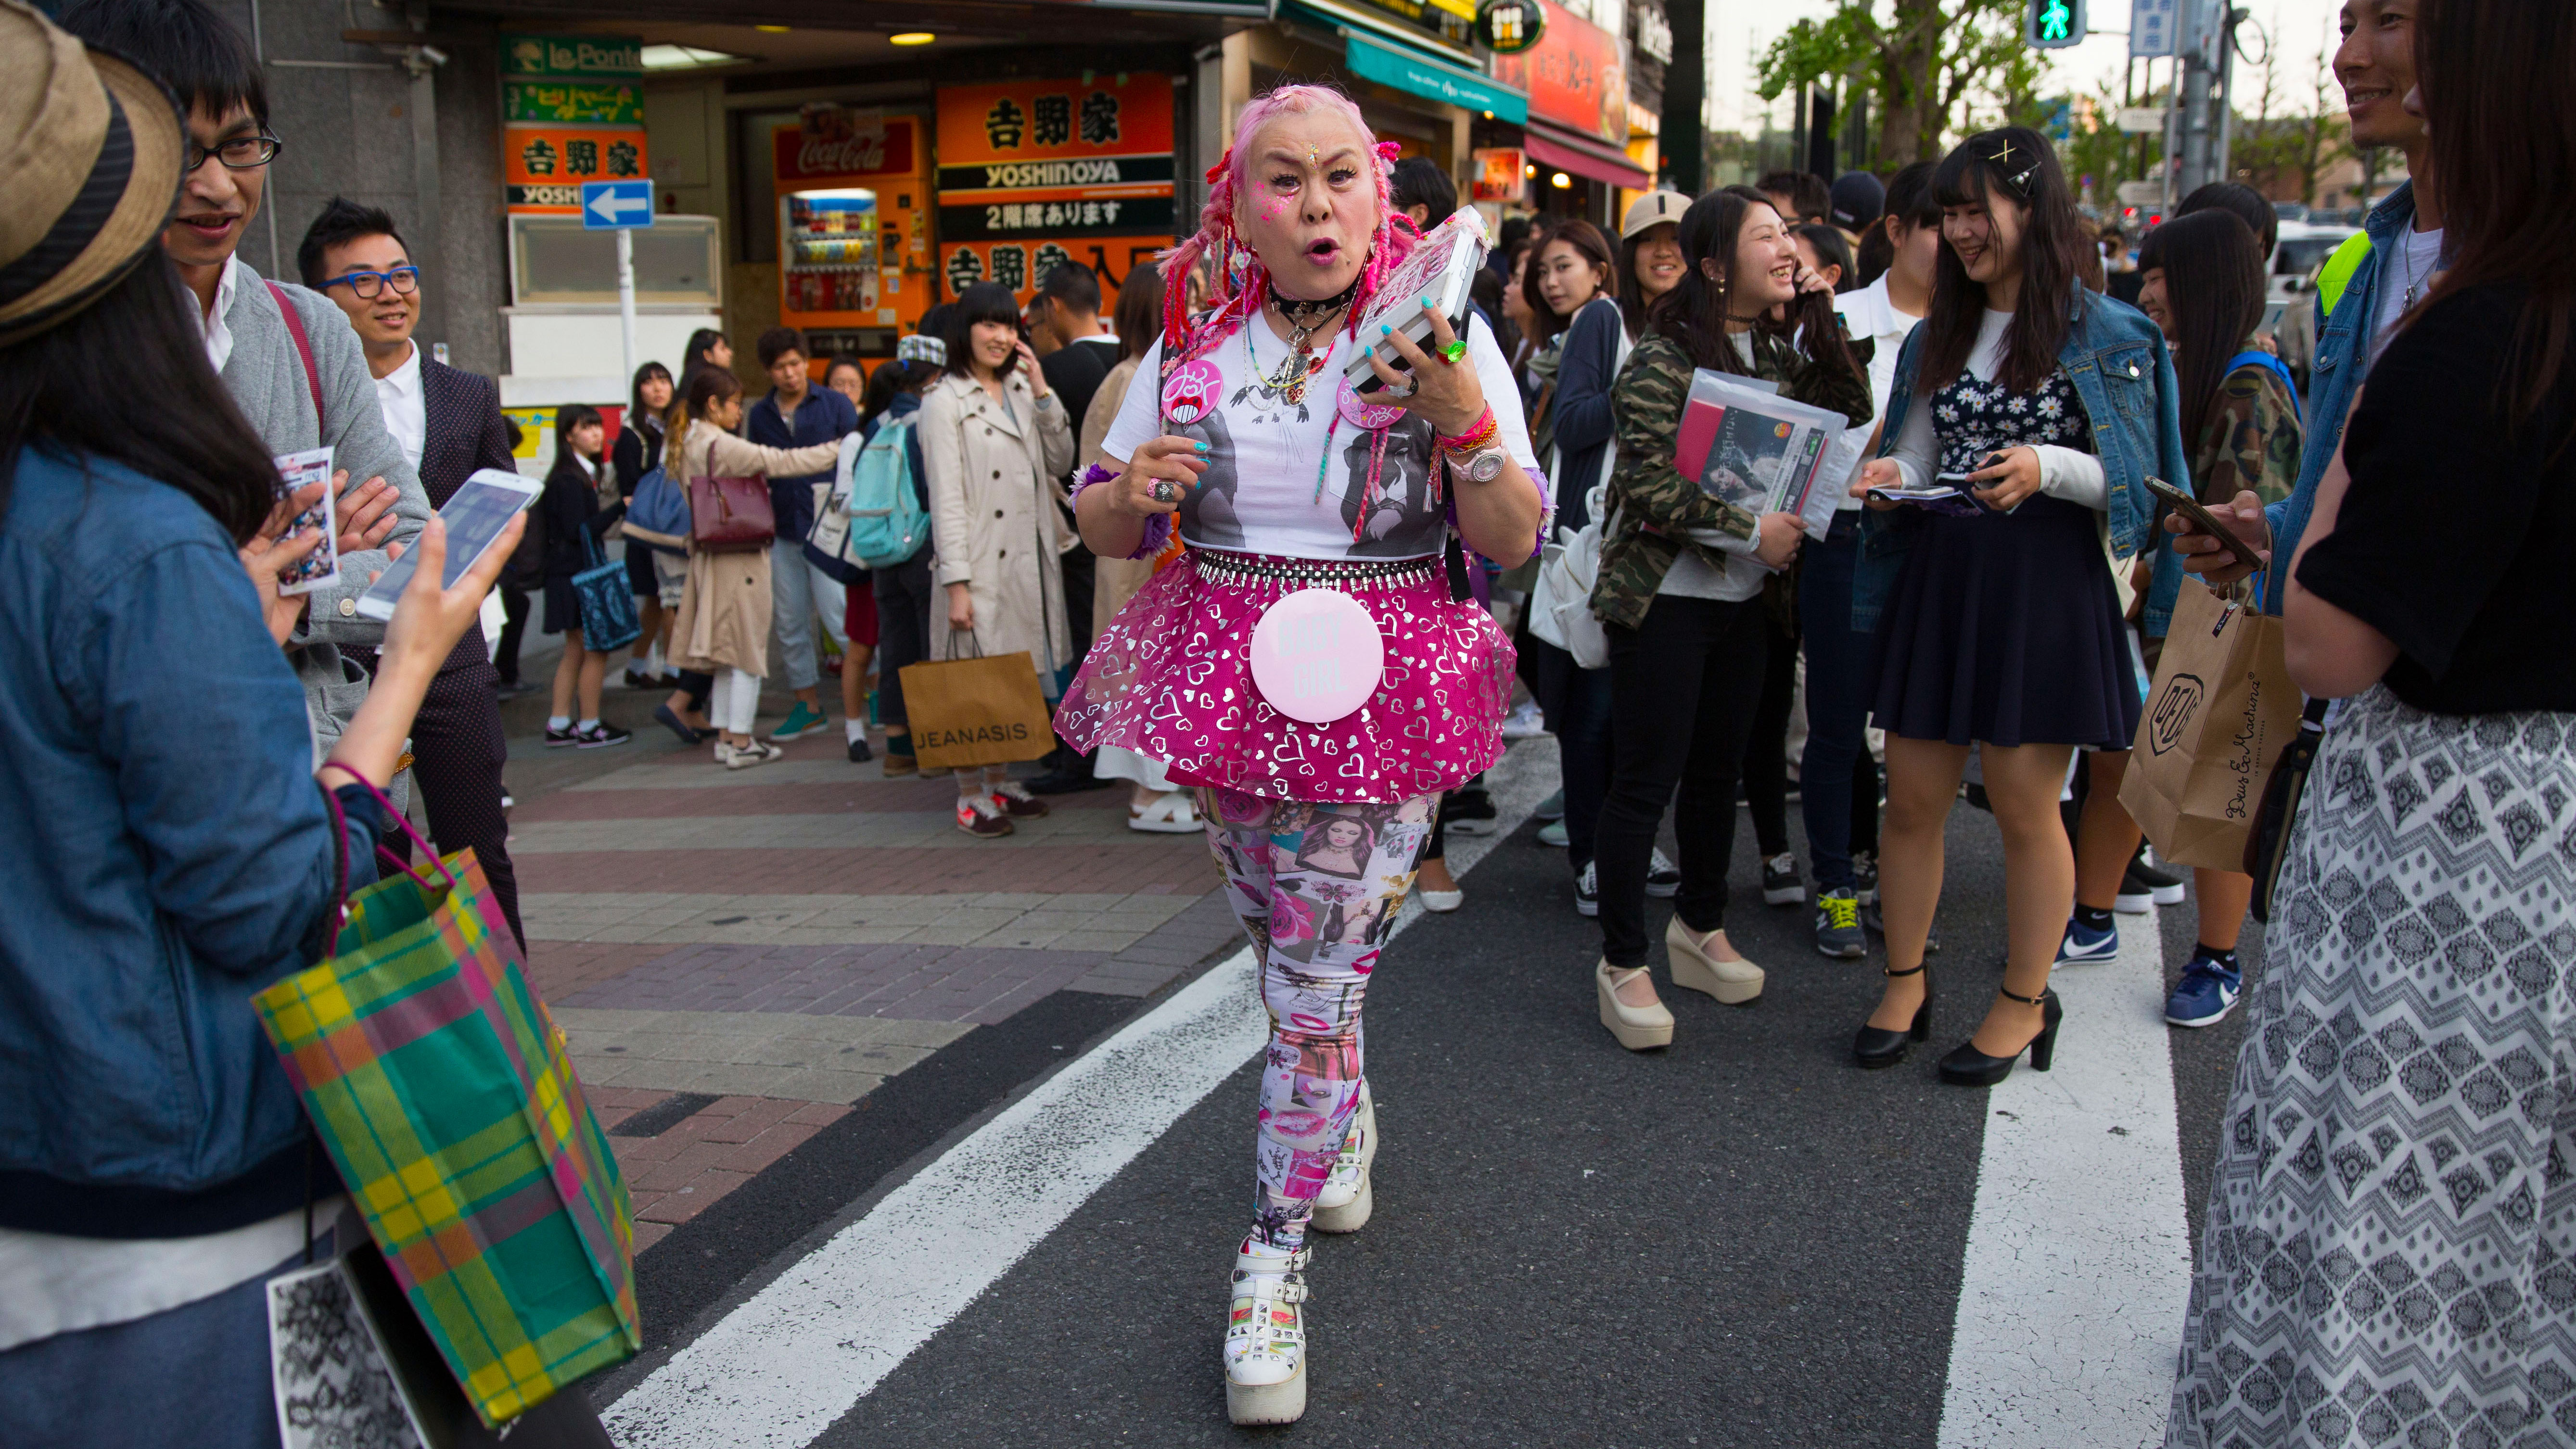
1131 501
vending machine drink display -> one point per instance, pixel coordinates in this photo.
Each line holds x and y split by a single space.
853 227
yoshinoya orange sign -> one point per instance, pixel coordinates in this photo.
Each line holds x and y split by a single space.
1026 161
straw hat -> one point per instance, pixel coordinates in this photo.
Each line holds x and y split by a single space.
90 150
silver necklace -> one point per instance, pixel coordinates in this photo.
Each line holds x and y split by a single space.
2406 260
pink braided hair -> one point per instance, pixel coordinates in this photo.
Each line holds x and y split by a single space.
1241 283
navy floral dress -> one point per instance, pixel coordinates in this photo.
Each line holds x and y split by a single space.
2003 628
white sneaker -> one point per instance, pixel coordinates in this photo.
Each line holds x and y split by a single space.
1265 1337
1524 722
1347 1199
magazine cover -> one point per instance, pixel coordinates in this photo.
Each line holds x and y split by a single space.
1744 444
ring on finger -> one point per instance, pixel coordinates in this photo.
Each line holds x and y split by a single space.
1456 349
1160 490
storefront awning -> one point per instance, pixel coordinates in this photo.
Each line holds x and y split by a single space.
1418 74
1567 151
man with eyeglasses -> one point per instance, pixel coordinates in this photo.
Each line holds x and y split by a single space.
448 424
286 354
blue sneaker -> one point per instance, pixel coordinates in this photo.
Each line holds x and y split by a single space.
2204 996
2083 947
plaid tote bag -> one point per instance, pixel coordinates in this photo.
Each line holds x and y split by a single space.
447 1098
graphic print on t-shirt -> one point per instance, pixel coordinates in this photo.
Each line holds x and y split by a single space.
1207 515
1400 520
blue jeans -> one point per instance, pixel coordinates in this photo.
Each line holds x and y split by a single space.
1837 779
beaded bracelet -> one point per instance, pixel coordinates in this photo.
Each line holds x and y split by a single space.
1158 529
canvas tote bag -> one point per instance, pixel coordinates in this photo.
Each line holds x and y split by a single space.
976 710
2220 709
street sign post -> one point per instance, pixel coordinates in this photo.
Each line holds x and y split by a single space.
2151 28
620 206
2055 24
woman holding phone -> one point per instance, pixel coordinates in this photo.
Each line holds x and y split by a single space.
2001 629
995 439
159 1168
723 631
1680 594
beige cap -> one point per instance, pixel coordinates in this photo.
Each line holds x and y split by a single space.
1652 209
90 150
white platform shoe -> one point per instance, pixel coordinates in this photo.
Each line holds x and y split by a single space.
1265 1337
1347 1199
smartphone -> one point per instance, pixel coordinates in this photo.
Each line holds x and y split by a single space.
1968 485
482 507
2190 507
321 567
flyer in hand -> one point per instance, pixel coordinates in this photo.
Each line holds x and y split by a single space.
320 568
1744 444
1441 268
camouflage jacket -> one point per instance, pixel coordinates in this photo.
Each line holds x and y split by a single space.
2251 441
1650 499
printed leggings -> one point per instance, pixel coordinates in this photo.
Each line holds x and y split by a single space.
1317 885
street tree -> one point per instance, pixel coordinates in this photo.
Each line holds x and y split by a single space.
1919 62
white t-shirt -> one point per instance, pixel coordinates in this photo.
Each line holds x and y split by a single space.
1262 492
2419 256
1870 316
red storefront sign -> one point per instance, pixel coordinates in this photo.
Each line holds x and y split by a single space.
827 154
1576 77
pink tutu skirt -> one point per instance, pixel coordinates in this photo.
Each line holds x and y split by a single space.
1171 679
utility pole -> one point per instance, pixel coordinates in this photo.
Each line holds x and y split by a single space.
2223 163
1685 127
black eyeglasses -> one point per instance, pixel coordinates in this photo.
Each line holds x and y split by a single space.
241 153
369 285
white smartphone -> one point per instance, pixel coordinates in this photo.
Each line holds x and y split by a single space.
474 518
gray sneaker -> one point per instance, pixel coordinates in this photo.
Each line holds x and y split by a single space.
1838 930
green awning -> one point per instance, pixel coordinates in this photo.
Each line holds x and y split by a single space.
1418 74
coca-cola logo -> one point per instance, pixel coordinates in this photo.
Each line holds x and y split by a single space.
805 153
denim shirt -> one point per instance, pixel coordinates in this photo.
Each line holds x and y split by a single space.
170 856
2343 359
2117 361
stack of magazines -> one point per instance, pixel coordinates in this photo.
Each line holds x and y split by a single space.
1744 444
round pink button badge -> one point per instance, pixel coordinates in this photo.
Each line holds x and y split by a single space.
1316 655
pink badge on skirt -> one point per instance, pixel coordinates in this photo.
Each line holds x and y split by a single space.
1172 679
1316 655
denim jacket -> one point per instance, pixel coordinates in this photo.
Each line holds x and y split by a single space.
2343 358
170 856
2124 377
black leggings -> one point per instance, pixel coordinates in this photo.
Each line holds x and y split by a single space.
1766 753
1684 686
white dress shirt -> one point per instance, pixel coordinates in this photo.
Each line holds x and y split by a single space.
398 393
217 329
1869 315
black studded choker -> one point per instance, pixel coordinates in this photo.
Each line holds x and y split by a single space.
1306 315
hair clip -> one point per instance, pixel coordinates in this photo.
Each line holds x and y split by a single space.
2019 182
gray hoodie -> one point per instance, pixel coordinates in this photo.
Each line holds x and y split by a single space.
267 380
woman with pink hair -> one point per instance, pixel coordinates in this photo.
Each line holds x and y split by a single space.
1317 509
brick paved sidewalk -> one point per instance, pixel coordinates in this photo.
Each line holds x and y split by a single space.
738 956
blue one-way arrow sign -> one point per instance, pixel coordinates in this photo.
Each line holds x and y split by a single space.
616 205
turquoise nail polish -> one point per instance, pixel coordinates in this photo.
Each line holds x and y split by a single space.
1383 330
1426 304
1202 447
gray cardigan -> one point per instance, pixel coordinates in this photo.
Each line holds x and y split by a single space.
266 378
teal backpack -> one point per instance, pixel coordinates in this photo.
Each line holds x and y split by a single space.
887 522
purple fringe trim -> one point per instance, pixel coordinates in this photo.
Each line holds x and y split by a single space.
1158 529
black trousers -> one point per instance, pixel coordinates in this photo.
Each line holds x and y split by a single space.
1766 751
514 627
457 754
903 632
1684 686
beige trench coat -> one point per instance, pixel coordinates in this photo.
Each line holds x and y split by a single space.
1114 580
724 608
995 523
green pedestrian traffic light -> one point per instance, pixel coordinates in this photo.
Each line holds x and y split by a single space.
2055 24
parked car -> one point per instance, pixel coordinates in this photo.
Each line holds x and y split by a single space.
2290 284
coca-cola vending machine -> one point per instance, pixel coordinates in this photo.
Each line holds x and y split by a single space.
853 228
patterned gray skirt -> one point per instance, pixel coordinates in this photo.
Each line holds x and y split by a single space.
2390 1256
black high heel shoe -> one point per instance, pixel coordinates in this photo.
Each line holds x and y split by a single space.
1874 1047
1969 1067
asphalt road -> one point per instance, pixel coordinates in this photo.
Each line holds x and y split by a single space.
1743 1240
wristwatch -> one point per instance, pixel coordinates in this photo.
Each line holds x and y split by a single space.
1482 466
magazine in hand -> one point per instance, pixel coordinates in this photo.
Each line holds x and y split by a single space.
320 568
1744 444
1440 268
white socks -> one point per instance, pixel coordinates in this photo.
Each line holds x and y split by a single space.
588 725
558 721
854 729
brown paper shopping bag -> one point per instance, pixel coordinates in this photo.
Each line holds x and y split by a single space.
2220 710
976 711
